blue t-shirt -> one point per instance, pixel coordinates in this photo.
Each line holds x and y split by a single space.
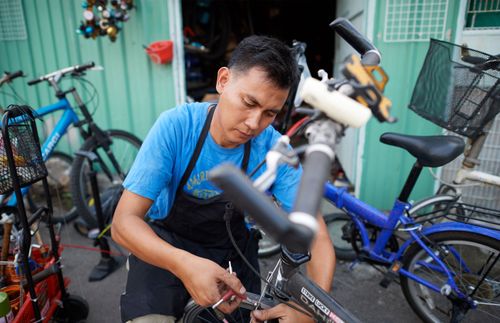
168 147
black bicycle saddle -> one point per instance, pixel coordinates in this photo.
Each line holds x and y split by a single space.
430 151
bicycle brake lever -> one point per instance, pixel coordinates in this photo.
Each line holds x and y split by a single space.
266 286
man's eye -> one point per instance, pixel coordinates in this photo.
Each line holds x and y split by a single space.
271 114
248 104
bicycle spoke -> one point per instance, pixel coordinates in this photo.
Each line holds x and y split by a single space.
474 270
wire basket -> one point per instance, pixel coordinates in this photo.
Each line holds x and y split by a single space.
21 161
462 212
458 88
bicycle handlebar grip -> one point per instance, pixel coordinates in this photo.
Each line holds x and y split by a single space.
335 105
369 53
316 169
15 74
34 81
83 67
239 189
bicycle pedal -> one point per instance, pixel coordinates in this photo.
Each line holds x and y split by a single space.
390 275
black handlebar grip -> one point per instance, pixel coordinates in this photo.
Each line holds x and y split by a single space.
83 67
273 220
15 74
369 54
34 81
311 189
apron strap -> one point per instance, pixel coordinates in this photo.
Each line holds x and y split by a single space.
246 156
197 149
199 146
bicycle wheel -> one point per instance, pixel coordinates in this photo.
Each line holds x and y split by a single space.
267 246
469 256
437 208
124 149
59 167
336 223
194 313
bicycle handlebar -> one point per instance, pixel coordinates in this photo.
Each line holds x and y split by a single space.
335 105
7 77
59 73
273 220
370 55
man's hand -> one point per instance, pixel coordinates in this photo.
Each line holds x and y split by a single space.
283 313
207 282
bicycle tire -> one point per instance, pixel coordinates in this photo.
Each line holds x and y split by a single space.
434 207
343 249
79 181
267 246
192 311
59 169
420 297
334 223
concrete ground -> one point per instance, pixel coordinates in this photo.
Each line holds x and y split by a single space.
356 288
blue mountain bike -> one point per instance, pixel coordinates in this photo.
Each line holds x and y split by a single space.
116 149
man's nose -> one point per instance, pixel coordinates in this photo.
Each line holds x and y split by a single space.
253 119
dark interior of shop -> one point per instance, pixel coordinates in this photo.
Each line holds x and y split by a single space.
212 28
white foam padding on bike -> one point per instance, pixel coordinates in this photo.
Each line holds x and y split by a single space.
335 105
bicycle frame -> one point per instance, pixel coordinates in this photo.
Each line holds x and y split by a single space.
68 118
466 172
361 212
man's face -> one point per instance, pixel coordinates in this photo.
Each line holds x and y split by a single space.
248 103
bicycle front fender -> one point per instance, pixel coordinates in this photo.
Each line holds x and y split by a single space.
447 227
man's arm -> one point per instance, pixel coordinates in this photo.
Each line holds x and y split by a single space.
200 276
322 265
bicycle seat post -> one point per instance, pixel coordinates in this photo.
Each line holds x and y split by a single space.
410 182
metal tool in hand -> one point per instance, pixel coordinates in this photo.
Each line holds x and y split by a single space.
229 295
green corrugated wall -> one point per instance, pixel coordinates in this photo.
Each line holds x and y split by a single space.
385 168
132 90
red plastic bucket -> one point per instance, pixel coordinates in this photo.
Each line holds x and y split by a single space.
160 52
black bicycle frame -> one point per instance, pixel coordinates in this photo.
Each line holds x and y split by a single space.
309 295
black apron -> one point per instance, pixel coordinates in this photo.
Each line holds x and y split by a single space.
197 226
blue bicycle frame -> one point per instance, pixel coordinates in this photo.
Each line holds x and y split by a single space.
68 118
362 213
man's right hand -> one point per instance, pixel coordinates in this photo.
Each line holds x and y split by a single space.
282 312
207 282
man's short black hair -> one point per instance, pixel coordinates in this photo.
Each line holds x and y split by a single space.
270 54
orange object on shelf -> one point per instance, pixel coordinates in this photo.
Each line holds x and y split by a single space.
161 52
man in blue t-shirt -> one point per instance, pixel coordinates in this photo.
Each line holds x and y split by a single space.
184 250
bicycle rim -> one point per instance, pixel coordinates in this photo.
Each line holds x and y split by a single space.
59 168
469 256
437 209
194 313
124 148
267 246
335 223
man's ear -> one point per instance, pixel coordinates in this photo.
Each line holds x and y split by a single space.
222 79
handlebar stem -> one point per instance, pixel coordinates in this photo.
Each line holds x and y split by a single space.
323 132
53 83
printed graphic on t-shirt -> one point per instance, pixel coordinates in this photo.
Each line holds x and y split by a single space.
199 186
